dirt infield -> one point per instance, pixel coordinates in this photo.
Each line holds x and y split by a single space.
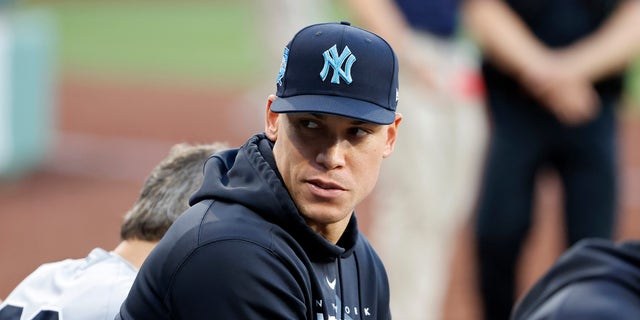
110 135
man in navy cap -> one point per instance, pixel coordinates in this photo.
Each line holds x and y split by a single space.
272 232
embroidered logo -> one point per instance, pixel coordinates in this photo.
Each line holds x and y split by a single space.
283 66
332 284
334 60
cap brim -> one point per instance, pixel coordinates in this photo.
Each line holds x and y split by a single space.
335 105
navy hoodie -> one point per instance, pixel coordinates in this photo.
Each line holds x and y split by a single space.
243 251
595 279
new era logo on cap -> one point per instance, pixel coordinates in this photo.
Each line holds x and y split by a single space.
339 69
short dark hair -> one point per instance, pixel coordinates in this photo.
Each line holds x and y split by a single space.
166 191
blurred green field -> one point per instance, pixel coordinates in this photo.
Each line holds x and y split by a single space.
203 40
208 40
633 86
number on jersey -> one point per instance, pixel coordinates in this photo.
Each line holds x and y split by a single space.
9 312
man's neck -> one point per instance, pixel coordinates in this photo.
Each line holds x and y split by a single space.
331 232
134 251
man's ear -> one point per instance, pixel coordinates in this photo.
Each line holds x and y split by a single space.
271 120
392 134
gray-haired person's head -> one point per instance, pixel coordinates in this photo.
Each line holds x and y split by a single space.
166 192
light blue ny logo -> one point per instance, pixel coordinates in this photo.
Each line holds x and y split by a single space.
334 60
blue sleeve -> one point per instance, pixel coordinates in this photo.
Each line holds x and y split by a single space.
238 279
145 299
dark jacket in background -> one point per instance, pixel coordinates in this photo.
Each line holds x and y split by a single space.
595 279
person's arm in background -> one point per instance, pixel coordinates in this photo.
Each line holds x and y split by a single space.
611 48
507 42
502 36
607 51
385 19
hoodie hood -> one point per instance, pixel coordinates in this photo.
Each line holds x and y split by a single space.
248 176
588 259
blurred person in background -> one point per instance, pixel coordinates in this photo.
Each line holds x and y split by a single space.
94 287
595 279
427 189
553 75
277 19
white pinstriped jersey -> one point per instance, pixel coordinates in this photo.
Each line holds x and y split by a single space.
72 289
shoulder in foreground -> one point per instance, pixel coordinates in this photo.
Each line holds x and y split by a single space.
598 299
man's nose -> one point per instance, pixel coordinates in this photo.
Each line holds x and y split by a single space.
332 155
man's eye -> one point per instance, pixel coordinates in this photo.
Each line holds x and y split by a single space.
309 124
359 132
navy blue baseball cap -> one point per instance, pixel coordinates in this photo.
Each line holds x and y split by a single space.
338 69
